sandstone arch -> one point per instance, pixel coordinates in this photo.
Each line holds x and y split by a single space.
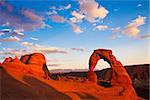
120 76
119 73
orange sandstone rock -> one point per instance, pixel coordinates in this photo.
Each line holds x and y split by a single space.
120 76
37 62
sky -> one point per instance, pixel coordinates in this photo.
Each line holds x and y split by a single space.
68 31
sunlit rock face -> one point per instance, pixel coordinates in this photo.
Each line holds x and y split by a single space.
9 59
120 76
35 58
31 63
37 61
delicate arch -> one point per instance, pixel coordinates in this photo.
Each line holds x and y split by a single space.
119 73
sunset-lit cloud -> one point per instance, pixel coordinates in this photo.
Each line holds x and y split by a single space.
47 50
10 39
101 27
27 44
132 28
75 28
12 52
147 36
11 19
77 17
57 18
92 10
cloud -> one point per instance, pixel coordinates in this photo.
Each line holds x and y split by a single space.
77 17
25 19
61 19
145 36
92 10
139 5
47 50
61 7
34 38
18 32
27 44
75 28
51 12
32 16
53 65
13 52
2 33
132 28
68 6
10 39
58 19
64 7
78 49
6 30
7 6
101 27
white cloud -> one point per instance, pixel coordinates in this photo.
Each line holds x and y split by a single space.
33 38
75 28
77 17
61 7
68 6
132 28
26 44
92 10
2 33
51 12
101 27
13 52
18 32
47 50
10 39
139 5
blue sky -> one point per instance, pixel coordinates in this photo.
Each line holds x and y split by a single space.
67 31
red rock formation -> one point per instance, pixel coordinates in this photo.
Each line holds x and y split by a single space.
24 58
120 76
38 63
92 77
9 59
15 59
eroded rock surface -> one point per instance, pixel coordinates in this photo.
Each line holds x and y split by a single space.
38 60
31 63
120 76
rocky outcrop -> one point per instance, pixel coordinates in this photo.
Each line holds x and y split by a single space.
35 58
31 63
39 62
9 59
119 75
